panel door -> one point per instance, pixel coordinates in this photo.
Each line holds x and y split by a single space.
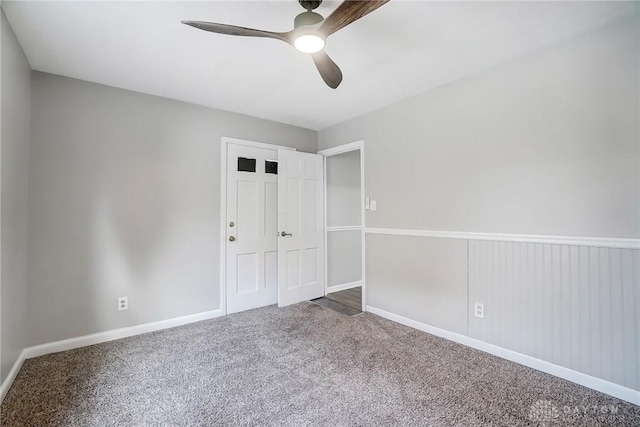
300 221
252 242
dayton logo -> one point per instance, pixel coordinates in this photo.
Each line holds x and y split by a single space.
543 411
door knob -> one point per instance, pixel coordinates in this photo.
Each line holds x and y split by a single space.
285 234
232 239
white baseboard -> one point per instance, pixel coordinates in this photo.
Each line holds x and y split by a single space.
100 337
598 384
344 286
13 373
114 334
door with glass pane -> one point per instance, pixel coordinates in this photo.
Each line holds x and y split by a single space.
251 226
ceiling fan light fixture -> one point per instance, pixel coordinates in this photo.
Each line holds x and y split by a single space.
309 43
310 31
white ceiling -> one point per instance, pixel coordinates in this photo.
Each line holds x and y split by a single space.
401 49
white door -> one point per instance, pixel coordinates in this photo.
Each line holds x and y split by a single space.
300 220
252 242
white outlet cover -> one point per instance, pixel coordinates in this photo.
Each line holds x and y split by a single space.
123 303
478 310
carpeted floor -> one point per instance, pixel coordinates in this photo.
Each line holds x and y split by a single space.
297 366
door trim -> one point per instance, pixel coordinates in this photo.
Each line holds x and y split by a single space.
352 146
224 143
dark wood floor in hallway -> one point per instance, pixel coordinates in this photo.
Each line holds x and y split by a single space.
347 302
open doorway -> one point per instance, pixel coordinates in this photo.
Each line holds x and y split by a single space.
344 228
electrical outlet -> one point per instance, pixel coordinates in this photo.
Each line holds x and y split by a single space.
123 303
478 310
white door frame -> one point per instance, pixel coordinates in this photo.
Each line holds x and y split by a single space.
353 146
223 206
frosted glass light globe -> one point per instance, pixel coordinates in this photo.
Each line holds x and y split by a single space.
309 43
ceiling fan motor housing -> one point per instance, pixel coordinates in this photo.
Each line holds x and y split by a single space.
309 4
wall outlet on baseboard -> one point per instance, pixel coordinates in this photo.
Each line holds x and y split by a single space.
123 303
478 310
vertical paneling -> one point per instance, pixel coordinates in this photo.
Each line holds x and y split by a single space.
572 306
584 300
631 360
594 313
636 290
424 279
617 323
604 285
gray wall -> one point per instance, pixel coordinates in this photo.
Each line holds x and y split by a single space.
546 144
16 110
344 208
124 200
343 189
344 257
422 279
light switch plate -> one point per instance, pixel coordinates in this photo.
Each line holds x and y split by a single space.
373 205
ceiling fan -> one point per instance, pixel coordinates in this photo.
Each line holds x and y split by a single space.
309 33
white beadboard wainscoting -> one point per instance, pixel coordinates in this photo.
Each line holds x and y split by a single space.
571 303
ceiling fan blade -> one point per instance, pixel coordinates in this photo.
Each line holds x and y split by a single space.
328 69
233 30
349 11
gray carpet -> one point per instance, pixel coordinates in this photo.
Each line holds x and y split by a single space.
298 366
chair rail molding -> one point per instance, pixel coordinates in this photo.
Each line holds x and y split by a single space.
602 242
